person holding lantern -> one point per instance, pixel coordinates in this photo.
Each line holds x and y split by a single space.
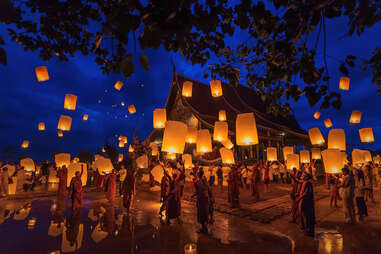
174 198
62 176
76 190
234 182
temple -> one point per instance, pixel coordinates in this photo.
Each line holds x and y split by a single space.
201 110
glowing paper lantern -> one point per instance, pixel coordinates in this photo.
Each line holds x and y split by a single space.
175 133
64 123
120 157
191 135
344 83
76 160
377 159
121 144
159 118
187 159
204 142
187 89
131 109
41 126
328 123
118 85
103 165
367 155
103 150
336 139
220 131
222 115
70 102
227 156
42 73
25 144
131 149
227 143
316 137
28 164
246 130
355 117
171 156
357 157
216 88
317 115
157 173
142 161
154 148
287 150
305 156
85 117
59 133
122 104
333 160
316 154
366 135
62 159
292 161
271 153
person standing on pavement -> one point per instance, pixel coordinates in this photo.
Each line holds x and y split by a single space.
122 177
255 182
220 177
348 186
368 176
203 202
76 190
306 206
234 182
359 194
212 175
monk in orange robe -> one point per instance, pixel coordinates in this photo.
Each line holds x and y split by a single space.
76 190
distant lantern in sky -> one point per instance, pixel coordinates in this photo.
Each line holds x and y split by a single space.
355 117
220 132
174 136
187 89
292 161
246 130
367 155
316 137
316 153
59 133
120 157
317 115
227 156
328 123
41 126
333 160
131 149
271 154
103 150
344 83
191 135
131 109
287 150
336 139
42 73
227 143
25 144
305 156
85 117
377 159
216 88
222 115
159 118
122 104
366 135
118 85
70 101
204 142
64 123
121 144
171 156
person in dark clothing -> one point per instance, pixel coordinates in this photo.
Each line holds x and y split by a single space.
220 177
306 205
203 201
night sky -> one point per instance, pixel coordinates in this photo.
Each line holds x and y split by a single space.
24 102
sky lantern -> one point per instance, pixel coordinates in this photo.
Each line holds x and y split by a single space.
25 144
142 161
85 117
227 143
316 137
121 144
357 157
171 156
42 73
317 115
187 159
131 109
59 133
292 161
120 157
367 155
216 88
174 137
328 123
287 150
70 101
366 135
103 150
131 149
271 154
204 142
305 156
103 165
154 149
62 159
159 118
336 139
246 130
64 123
333 160
41 126
344 83
355 117
28 164
227 156
122 104
377 159
118 85
222 115
191 136
220 132
316 153
187 89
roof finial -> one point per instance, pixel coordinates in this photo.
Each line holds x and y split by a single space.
173 65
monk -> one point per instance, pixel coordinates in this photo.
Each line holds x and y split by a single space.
234 182
76 190
111 186
203 202
255 182
164 194
129 186
62 176
296 186
174 198
306 206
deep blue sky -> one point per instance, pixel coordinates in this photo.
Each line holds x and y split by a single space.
24 102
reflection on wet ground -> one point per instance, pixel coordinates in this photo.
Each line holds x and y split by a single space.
50 226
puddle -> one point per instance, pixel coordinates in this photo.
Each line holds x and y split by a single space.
330 243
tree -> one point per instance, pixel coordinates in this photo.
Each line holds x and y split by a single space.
275 55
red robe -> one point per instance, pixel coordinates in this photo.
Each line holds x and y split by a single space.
76 192
234 183
254 185
62 186
202 192
111 187
129 190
